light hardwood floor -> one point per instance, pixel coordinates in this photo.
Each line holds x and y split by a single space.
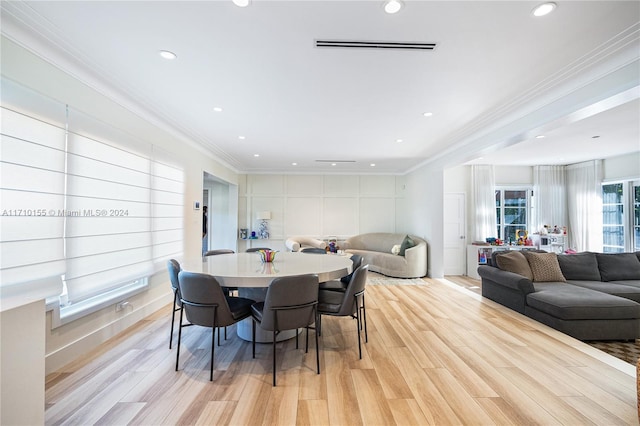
437 354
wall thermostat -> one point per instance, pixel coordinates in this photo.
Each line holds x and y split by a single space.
196 205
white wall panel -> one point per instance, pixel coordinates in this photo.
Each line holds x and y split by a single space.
304 185
378 185
302 216
265 184
340 217
377 215
341 185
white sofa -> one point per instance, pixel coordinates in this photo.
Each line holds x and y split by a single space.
299 242
375 249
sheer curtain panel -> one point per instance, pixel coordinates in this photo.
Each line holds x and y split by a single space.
584 204
549 190
484 199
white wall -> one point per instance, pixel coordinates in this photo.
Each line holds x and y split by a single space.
320 205
623 167
46 349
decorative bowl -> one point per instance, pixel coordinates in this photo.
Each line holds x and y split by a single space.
267 255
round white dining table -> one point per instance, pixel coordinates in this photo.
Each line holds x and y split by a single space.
252 277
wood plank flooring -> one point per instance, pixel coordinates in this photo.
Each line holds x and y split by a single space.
437 354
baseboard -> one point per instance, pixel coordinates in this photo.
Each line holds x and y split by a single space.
57 359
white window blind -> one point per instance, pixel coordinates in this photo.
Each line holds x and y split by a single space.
32 165
108 230
167 213
82 202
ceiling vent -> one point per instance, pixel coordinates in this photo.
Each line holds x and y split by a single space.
376 44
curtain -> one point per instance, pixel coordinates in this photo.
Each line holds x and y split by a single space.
549 190
584 205
484 199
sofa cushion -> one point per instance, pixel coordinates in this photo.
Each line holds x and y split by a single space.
544 266
573 303
615 288
407 243
618 266
514 261
580 266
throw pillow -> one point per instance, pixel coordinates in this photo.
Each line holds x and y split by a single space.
580 266
407 243
545 267
618 266
395 249
514 261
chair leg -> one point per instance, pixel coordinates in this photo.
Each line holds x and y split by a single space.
296 338
179 337
213 348
358 327
364 317
253 336
173 317
306 342
317 352
274 358
225 333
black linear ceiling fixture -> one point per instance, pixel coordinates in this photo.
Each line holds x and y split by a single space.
354 44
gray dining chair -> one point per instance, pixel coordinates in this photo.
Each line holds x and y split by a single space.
254 249
173 266
341 284
313 250
348 303
218 251
290 304
205 304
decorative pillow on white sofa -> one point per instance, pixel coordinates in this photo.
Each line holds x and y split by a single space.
395 249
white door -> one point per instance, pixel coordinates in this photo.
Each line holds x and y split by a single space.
455 240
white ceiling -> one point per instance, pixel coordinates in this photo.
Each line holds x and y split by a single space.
294 102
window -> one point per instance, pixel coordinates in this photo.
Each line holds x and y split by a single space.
512 212
621 216
84 206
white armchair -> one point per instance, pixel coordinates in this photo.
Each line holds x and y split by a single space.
299 242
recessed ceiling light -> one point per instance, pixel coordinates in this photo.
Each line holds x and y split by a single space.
544 9
294 164
392 6
241 3
256 155
217 109
372 164
427 114
241 137
540 137
399 140
333 164
167 55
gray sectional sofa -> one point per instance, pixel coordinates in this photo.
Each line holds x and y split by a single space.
590 296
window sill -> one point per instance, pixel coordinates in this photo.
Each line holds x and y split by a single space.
67 314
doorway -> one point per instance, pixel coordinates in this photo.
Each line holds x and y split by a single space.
221 199
454 223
